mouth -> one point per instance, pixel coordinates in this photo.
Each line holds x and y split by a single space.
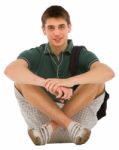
57 39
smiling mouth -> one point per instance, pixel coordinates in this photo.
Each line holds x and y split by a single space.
57 39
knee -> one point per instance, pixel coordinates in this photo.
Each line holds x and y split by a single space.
21 87
91 88
25 88
97 89
18 87
100 89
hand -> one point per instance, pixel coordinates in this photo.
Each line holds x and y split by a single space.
62 93
52 83
67 94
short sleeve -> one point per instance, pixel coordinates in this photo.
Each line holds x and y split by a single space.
32 57
86 58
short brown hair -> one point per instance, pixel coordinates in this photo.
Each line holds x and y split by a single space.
55 11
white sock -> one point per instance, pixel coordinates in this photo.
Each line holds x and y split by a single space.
50 129
72 125
44 133
78 133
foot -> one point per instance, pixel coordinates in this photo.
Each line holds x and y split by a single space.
42 135
78 134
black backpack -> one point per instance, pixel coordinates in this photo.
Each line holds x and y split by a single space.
73 65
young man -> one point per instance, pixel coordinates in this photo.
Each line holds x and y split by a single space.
44 85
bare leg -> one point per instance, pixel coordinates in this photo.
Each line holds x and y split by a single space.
81 98
83 95
39 99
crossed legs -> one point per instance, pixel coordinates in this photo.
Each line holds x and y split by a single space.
39 99
83 95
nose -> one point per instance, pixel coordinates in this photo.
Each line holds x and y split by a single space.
56 31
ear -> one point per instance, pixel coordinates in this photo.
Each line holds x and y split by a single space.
69 28
43 29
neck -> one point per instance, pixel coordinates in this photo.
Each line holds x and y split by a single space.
57 50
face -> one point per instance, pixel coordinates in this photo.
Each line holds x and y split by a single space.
56 30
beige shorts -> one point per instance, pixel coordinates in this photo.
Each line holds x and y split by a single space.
34 118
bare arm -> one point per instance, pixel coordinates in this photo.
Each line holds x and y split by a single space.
18 72
98 73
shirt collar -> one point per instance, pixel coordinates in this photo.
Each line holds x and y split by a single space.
67 50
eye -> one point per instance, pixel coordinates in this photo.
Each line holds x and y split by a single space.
51 28
62 26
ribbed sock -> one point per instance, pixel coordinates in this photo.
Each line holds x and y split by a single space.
71 125
77 133
44 133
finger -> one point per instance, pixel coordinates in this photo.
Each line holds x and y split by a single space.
55 87
49 86
47 82
65 93
60 93
68 94
62 100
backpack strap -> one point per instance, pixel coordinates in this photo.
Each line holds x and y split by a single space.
74 63
74 60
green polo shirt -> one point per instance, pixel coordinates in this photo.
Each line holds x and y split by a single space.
42 61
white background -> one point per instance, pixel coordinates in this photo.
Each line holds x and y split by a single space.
95 24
